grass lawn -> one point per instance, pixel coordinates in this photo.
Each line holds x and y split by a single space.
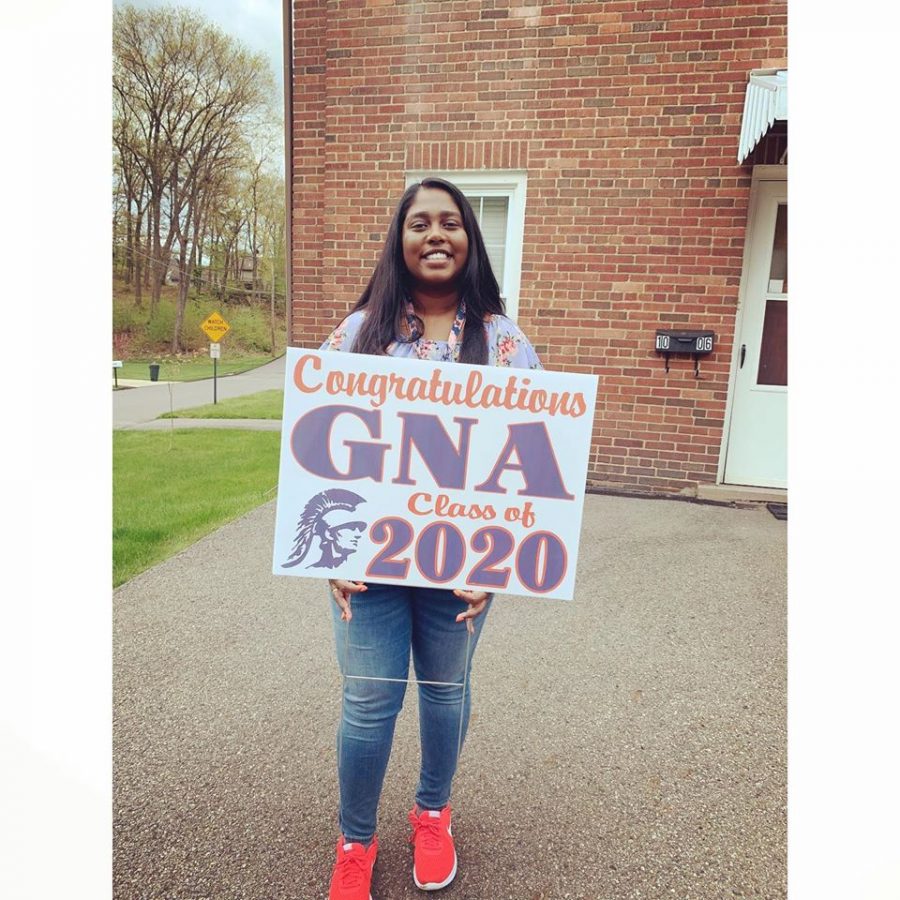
169 490
262 405
189 368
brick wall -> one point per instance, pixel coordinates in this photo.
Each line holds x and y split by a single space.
626 116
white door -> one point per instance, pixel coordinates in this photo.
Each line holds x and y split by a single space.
756 452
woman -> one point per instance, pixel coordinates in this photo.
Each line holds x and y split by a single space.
432 296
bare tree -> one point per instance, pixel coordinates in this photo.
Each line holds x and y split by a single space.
191 92
133 178
272 230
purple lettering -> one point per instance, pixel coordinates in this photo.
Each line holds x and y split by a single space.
446 462
311 444
530 442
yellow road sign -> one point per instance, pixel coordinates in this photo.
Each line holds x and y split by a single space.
215 327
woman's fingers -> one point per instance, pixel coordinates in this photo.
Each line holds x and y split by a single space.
478 601
350 587
473 611
342 591
471 596
342 601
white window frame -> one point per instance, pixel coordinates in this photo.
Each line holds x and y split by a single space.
509 183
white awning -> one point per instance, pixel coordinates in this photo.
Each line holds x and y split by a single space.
765 102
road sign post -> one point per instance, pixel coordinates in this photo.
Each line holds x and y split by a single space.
215 328
215 351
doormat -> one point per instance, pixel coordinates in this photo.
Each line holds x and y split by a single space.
779 510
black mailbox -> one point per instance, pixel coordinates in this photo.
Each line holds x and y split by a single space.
697 343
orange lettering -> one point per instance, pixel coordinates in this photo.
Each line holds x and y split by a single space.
411 505
298 373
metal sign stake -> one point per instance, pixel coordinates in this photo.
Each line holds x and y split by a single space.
214 351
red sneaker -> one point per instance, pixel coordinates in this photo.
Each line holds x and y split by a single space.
352 875
434 860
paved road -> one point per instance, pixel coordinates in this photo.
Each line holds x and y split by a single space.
629 745
139 405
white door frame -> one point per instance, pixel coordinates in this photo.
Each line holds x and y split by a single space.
760 173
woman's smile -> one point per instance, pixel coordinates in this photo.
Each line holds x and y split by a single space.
435 243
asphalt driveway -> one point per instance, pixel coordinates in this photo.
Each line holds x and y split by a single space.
628 744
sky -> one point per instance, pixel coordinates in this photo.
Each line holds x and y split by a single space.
255 23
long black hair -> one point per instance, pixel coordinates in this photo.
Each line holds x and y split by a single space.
388 290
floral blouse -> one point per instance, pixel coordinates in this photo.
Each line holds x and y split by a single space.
507 345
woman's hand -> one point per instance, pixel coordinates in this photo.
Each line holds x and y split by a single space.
342 591
477 601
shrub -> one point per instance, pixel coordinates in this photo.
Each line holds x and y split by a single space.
251 326
249 334
195 312
128 319
160 326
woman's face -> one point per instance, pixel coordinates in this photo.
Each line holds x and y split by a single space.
435 244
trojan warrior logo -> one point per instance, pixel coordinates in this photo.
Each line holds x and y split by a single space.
327 517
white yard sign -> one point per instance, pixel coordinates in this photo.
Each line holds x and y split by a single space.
436 474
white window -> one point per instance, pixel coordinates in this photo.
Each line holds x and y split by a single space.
498 199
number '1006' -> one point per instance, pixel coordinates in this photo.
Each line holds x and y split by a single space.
441 550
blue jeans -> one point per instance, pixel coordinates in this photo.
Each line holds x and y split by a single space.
388 621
